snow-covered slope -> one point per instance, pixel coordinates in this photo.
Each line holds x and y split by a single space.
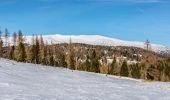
19 81
98 40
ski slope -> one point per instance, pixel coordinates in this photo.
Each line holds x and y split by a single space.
19 81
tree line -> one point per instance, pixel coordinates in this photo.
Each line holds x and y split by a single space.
40 52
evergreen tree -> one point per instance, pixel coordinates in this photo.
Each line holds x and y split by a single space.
11 54
161 66
62 61
51 58
150 72
88 63
35 50
33 53
124 69
44 56
135 71
94 63
1 47
21 48
71 57
112 66
166 71
22 53
12 49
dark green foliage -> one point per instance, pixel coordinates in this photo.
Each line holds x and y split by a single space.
40 53
51 61
87 63
150 72
94 63
135 71
71 61
160 67
62 61
44 56
124 69
1 47
167 71
51 58
11 53
22 52
112 67
35 52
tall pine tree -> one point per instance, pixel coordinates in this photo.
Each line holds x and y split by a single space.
94 62
124 69
71 56
21 48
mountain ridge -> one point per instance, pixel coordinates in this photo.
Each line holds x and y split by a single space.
100 40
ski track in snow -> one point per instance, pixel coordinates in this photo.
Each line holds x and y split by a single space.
19 81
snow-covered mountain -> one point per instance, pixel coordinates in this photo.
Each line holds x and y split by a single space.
99 40
20 81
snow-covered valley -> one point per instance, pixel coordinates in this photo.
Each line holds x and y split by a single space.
19 81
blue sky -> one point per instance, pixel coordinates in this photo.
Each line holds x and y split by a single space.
123 19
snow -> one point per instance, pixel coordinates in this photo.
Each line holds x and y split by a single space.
98 40
19 81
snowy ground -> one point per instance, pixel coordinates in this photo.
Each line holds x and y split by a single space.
35 82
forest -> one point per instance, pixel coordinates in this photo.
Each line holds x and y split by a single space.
121 61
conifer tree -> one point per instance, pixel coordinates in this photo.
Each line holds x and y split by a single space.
37 50
112 66
33 53
11 54
1 47
161 66
71 56
62 61
150 72
44 56
32 56
166 70
94 63
41 49
51 58
21 48
12 49
124 69
88 63
135 71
